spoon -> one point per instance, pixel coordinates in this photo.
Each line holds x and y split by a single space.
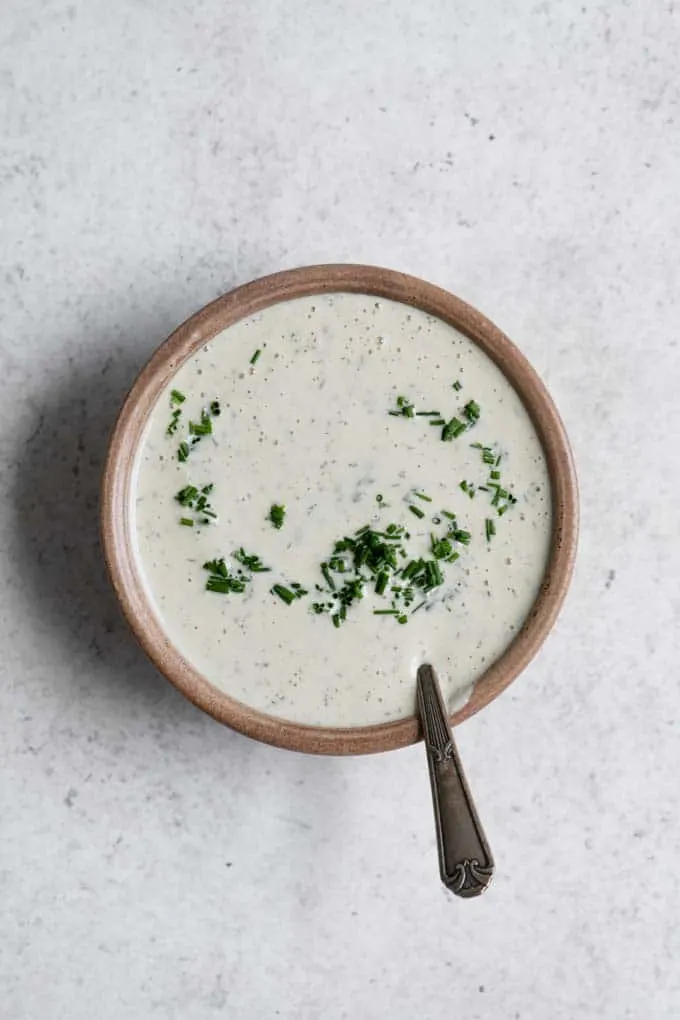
466 865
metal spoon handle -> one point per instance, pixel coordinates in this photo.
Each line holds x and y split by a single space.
465 860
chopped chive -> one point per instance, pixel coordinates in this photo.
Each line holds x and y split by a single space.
421 495
285 594
434 574
419 606
441 547
336 619
411 568
182 452
221 580
453 429
217 567
428 414
218 585
472 411
255 356
416 511
174 422
489 528
277 515
187 495
404 408
202 428
379 498
215 408
438 421
457 386
381 583
498 460
448 515
385 612
462 536
327 576
251 562
495 475
176 397
187 522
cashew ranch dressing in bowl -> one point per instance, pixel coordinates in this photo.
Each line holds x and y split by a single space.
331 420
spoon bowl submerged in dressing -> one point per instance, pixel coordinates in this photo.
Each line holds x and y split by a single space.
323 480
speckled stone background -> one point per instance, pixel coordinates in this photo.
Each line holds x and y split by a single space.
525 155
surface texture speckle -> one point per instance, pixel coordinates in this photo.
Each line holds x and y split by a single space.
527 157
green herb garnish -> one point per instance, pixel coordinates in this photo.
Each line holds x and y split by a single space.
453 428
488 456
327 576
472 411
197 500
288 595
404 408
202 427
255 356
221 580
441 547
187 522
174 422
251 562
416 511
277 515
197 429
457 386
489 529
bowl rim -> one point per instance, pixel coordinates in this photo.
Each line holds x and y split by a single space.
248 299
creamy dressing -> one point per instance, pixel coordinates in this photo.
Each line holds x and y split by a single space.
307 425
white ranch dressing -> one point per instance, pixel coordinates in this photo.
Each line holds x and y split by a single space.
308 426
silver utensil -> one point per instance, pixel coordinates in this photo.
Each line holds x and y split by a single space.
465 861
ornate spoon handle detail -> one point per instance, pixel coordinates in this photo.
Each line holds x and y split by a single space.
465 860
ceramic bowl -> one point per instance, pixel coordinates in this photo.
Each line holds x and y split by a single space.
116 518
